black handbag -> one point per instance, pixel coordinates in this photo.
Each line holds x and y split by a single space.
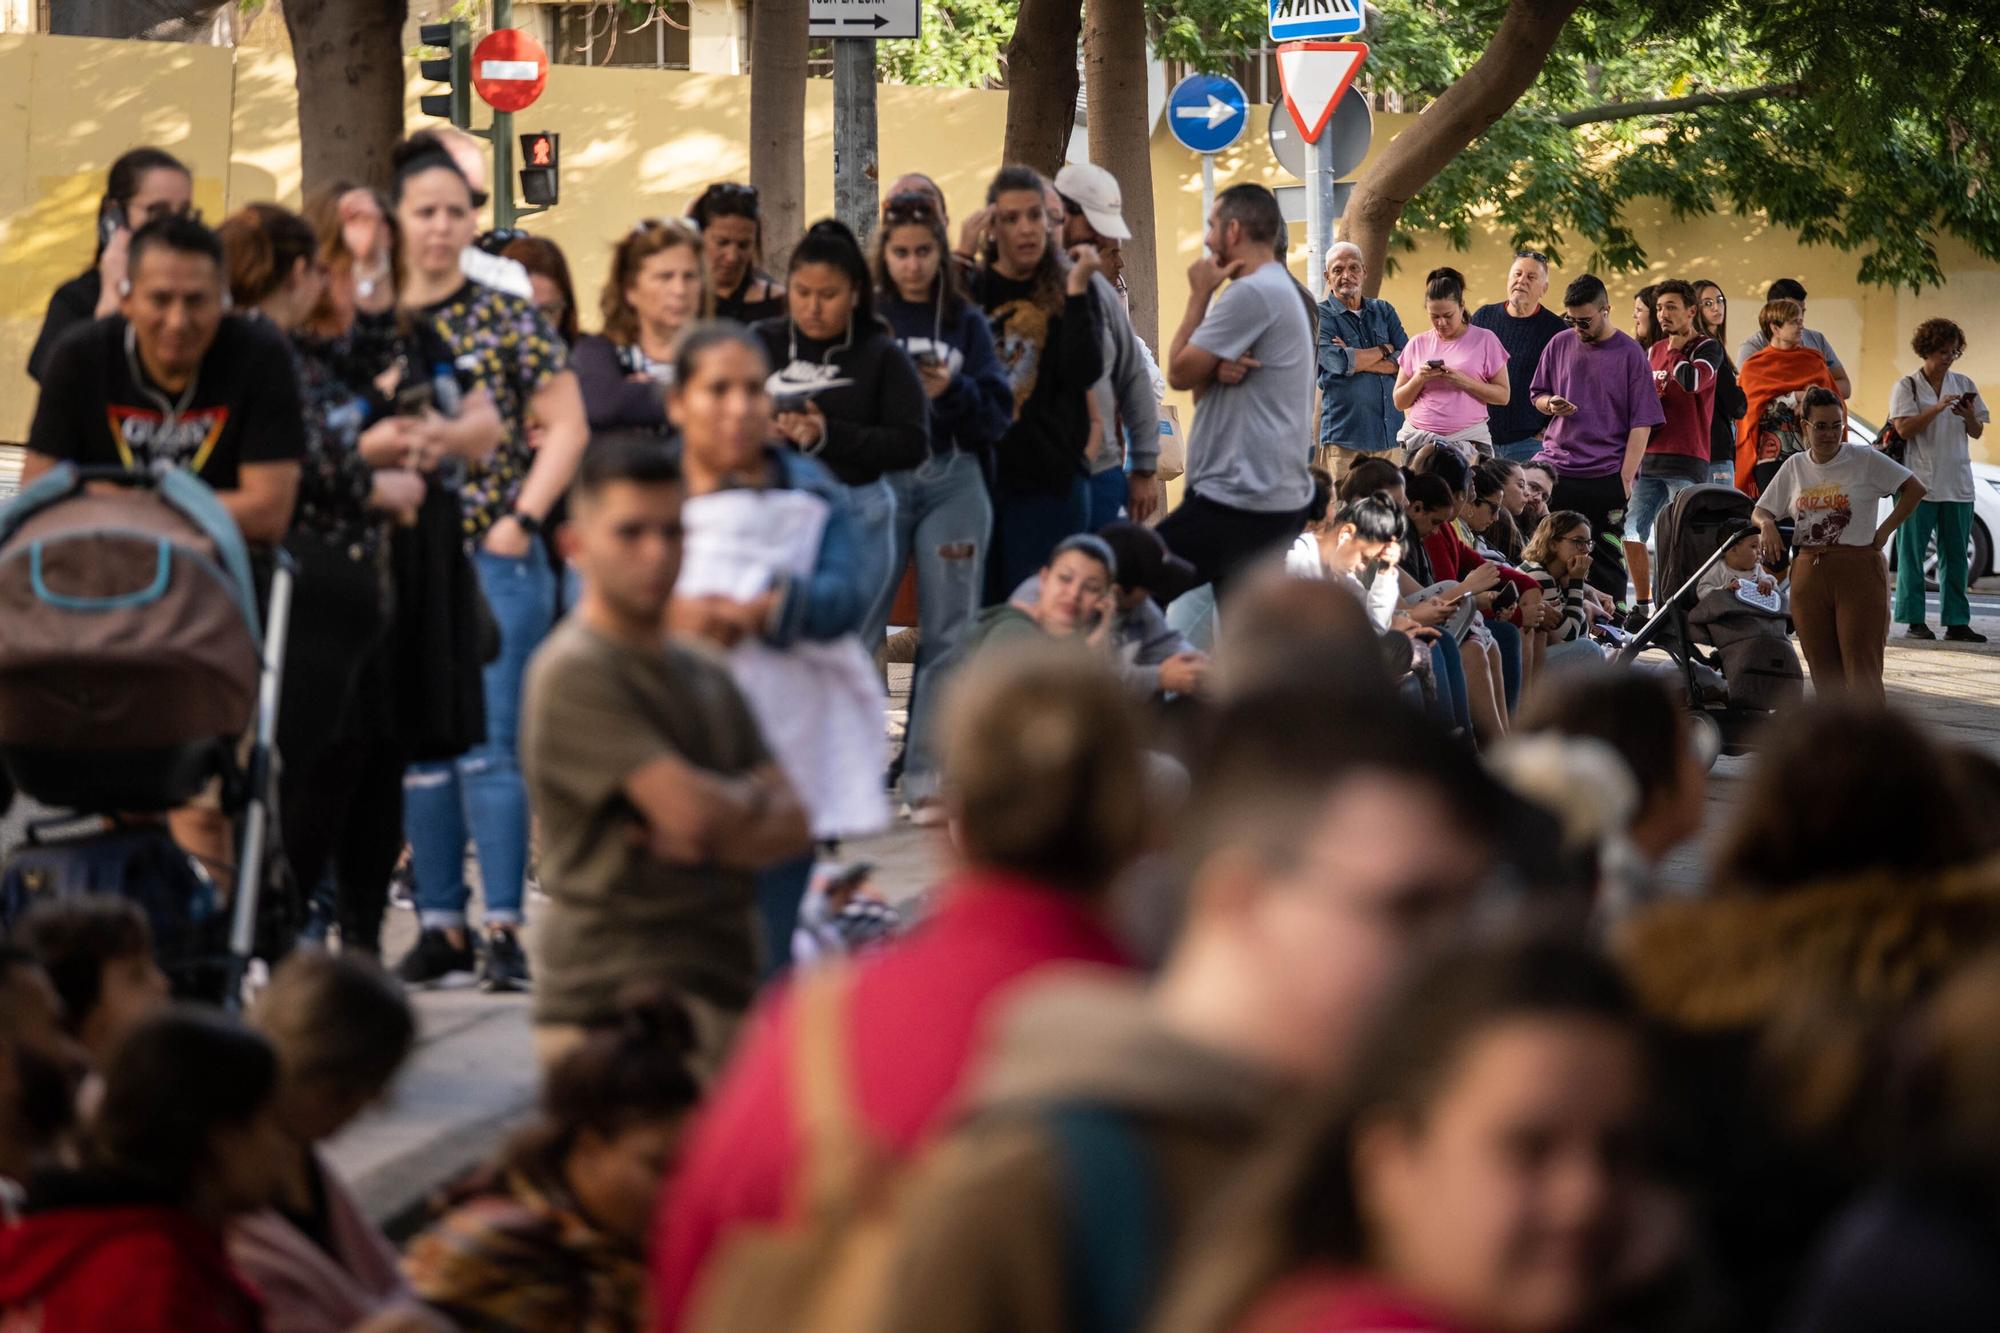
444 633
1891 442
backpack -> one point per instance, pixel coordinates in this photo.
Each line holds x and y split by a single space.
827 1268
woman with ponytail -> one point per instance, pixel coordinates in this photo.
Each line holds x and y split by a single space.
847 393
551 1239
1450 373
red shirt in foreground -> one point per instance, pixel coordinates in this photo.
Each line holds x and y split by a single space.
916 1013
137 1268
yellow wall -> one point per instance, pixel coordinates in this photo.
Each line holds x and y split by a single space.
640 143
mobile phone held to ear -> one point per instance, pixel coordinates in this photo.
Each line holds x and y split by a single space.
110 221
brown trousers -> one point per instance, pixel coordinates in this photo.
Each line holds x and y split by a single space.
1840 603
1339 460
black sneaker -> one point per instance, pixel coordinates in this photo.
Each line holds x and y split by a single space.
1922 631
503 965
434 959
1963 634
1636 618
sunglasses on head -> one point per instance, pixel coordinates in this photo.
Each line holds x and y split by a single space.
731 190
909 208
493 242
1535 255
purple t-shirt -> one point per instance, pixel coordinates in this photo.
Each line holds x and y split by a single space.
1611 383
1444 408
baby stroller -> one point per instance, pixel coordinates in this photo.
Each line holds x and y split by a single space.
1734 658
130 671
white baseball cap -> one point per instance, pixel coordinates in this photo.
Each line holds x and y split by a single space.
1095 191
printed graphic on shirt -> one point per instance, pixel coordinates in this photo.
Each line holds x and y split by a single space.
148 439
1781 431
1021 331
1822 514
805 377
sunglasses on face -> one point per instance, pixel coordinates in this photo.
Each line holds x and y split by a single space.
1579 324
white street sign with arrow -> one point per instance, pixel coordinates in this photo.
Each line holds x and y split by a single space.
864 18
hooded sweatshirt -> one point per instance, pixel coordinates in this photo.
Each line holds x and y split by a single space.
1124 401
99 1251
985 1244
877 419
978 406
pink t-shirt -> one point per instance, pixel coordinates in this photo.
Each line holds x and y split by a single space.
1444 408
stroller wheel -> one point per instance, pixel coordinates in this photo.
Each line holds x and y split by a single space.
1705 734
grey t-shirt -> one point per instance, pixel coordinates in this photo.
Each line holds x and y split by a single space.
1812 338
1251 441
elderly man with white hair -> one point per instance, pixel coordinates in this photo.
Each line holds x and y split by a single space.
1360 338
1524 327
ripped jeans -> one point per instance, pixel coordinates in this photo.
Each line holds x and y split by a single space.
481 792
945 518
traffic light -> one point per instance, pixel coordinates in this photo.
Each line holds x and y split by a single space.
454 69
540 154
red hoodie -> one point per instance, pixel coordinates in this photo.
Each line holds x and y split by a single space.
136 1268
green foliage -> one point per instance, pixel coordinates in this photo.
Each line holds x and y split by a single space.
1878 138
961 46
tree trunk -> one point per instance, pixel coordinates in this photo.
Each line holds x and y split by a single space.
202 22
349 60
1114 64
1513 60
1042 83
778 123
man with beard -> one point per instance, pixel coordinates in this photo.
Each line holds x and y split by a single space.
1524 327
40 1069
1359 340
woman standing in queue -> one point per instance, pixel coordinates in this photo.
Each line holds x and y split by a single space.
1937 410
363 469
1831 490
732 245
720 403
848 394
657 289
505 346
1711 316
1046 327
944 517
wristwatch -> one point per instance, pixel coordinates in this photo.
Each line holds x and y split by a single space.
528 522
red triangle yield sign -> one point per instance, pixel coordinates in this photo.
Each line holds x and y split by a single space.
1314 75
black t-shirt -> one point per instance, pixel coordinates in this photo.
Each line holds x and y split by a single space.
736 305
98 408
74 303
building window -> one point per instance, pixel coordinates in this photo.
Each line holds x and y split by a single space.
603 34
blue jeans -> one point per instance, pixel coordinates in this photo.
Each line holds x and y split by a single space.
481 790
1649 496
780 890
1722 473
1109 490
1508 639
945 519
1951 520
1025 529
1520 451
874 507
1454 706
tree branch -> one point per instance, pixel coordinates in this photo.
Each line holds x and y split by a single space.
1670 106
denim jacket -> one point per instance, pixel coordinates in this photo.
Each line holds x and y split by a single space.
1356 407
831 601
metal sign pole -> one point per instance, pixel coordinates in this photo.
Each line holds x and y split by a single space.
1315 221
1207 188
854 134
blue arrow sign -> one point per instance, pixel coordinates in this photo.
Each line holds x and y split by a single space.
1207 112
1303 20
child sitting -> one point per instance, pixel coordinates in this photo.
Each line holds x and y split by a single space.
1742 565
98 950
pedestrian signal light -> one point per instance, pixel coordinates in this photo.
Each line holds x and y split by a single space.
541 152
453 69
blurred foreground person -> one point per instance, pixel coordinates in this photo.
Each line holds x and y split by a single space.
1480 1171
1045 787
1109 1113
552 1239
187 1137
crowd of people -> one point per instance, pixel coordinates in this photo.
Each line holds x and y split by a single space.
1304 959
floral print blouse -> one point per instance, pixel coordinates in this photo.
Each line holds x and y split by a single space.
503 343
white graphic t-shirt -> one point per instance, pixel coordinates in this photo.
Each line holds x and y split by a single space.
1836 503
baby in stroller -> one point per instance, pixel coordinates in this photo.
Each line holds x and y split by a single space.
1742 573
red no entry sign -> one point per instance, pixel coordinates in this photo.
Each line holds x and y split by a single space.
509 70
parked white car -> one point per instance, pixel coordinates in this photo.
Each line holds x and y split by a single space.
1985 510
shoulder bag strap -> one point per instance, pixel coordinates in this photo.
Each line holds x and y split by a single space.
836 1141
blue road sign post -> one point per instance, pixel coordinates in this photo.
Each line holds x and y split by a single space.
1308 20
1207 113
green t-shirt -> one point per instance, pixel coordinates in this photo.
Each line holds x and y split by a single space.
595 712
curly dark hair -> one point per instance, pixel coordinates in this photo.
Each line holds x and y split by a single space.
1937 335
